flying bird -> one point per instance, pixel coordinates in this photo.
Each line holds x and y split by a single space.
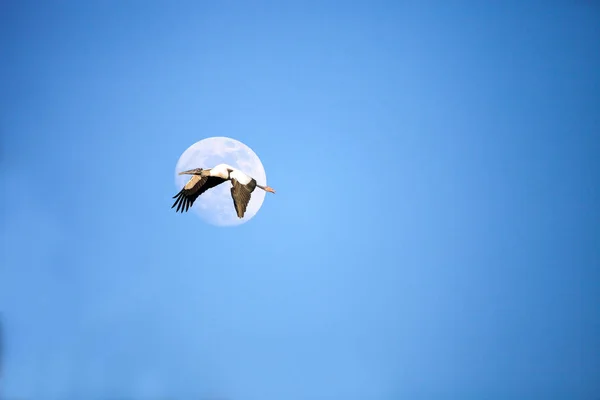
203 179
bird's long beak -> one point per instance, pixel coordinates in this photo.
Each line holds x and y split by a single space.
196 171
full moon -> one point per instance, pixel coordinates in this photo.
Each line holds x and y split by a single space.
215 206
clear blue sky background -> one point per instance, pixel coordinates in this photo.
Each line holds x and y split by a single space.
435 232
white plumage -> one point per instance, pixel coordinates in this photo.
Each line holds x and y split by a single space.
227 172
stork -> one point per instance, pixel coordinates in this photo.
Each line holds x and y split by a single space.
203 179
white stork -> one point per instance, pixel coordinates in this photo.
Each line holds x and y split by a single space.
203 179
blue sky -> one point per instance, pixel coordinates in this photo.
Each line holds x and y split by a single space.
435 232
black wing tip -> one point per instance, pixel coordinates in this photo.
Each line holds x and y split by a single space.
178 194
178 201
182 202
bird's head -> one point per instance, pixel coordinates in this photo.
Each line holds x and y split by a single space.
196 171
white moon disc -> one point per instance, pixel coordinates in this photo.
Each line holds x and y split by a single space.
215 206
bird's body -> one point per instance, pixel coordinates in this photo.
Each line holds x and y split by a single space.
203 179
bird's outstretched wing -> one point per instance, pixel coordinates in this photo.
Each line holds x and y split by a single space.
241 195
194 188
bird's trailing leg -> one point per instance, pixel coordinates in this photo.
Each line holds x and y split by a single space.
267 188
